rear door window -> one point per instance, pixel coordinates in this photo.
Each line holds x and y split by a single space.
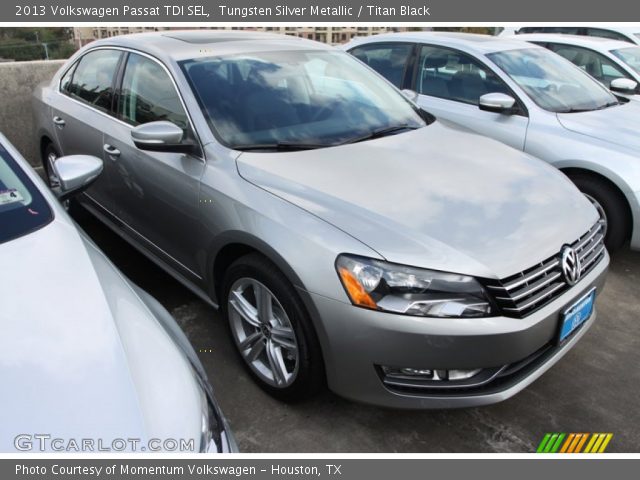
93 78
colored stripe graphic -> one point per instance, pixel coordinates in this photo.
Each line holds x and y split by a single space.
574 442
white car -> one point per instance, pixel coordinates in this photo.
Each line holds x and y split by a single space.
613 63
623 34
88 361
529 98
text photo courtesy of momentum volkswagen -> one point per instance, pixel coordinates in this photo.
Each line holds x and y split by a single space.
401 248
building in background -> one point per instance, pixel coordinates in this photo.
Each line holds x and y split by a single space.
332 35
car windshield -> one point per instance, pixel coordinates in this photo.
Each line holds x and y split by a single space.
22 207
296 99
630 56
552 82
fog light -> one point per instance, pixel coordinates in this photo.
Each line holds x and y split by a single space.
429 374
463 374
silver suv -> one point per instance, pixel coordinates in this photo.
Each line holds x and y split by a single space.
346 236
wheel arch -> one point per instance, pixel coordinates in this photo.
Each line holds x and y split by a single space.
232 245
614 181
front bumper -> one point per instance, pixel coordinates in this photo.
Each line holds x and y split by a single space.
358 341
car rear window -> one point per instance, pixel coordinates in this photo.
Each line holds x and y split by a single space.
22 208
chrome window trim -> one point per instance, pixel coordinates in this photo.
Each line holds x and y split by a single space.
112 117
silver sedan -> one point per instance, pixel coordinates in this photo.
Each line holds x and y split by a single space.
531 99
88 361
349 238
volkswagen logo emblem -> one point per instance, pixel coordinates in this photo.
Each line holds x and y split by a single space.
570 265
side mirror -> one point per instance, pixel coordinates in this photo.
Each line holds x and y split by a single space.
410 94
76 173
624 86
161 136
497 103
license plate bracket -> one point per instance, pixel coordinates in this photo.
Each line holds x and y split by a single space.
575 316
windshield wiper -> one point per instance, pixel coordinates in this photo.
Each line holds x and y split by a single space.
380 132
601 107
575 110
607 105
280 146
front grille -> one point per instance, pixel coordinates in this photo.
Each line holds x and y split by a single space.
522 294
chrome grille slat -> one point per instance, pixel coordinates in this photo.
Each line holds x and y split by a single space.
550 290
587 263
525 278
521 294
582 241
534 287
583 254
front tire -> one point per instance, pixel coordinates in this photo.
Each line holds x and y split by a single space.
611 206
272 330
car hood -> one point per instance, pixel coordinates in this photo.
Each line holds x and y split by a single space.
618 125
68 361
438 197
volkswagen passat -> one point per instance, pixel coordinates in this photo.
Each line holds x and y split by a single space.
531 99
347 236
87 359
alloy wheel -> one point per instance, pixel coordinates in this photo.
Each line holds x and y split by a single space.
263 332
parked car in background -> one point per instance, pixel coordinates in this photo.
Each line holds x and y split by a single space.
613 63
530 99
623 34
86 356
348 237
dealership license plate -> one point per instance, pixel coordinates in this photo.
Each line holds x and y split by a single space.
577 314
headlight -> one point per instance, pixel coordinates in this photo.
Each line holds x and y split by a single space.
212 434
411 291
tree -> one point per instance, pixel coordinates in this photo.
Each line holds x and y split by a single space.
29 43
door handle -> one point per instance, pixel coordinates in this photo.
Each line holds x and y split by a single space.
111 150
59 121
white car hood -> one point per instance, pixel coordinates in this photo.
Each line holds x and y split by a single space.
437 197
619 125
67 367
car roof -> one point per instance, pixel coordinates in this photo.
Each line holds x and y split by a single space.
596 43
186 44
469 42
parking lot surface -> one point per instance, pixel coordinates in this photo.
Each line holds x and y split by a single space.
594 388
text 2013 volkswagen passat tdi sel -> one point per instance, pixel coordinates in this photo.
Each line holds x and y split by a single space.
348 237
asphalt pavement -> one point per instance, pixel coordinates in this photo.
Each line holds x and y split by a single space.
594 388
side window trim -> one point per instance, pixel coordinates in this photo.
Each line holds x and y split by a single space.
523 112
118 83
74 68
127 53
71 70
